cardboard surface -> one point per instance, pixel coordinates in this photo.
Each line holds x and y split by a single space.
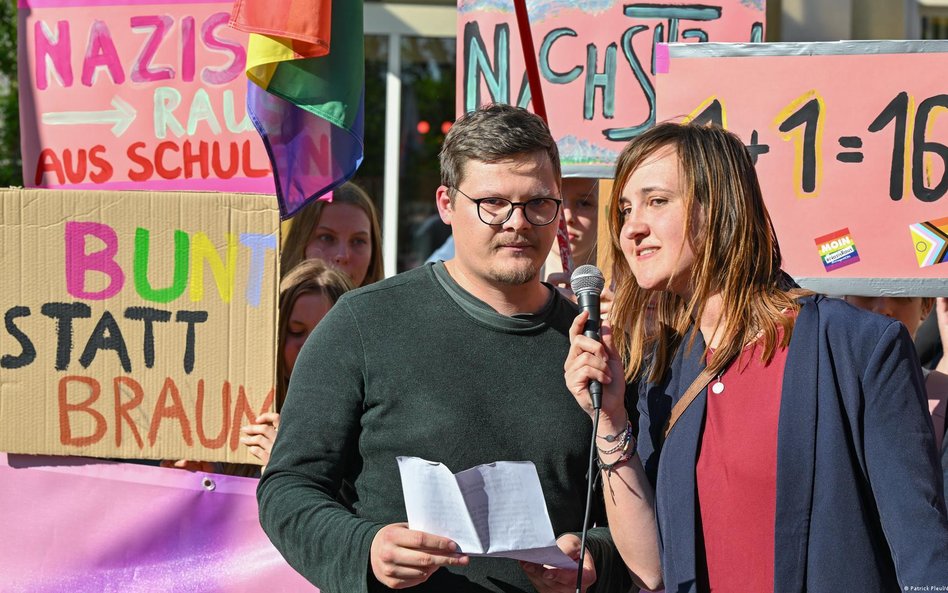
136 324
597 63
133 94
851 142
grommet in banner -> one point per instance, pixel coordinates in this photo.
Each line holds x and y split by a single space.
208 484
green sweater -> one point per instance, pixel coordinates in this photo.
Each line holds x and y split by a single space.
414 365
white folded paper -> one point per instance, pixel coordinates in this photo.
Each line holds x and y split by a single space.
495 509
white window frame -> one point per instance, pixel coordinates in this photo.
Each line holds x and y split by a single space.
396 21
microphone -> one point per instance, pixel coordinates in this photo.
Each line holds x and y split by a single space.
587 283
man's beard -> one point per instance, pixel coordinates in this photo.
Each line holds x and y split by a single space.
516 276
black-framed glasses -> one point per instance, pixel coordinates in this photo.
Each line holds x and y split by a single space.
496 211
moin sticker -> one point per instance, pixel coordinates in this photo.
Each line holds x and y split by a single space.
837 249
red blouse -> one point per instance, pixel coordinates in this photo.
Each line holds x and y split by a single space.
736 477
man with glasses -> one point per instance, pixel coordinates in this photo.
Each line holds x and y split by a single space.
458 362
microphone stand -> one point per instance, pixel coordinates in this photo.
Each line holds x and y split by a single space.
590 478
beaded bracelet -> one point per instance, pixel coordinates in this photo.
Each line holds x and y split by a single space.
622 447
626 435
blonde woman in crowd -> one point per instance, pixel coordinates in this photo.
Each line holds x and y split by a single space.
345 233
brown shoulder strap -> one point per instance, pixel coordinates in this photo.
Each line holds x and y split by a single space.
700 382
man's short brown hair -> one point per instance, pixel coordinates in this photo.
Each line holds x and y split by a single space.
494 133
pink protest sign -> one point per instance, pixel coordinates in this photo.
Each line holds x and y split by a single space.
596 61
851 148
80 524
119 94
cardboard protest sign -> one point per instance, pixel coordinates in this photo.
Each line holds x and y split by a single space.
136 324
118 94
596 61
851 146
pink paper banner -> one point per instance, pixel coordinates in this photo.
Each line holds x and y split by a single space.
78 524
849 164
118 92
597 63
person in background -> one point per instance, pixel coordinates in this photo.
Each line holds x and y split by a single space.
345 233
928 339
806 459
911 311
581 212
427 239
307 292
442 253
457 362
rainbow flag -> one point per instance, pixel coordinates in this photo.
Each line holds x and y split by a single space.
306 23
306 96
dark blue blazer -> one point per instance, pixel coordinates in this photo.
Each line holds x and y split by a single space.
860 501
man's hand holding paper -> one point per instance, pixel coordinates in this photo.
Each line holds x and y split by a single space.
495 509
402 557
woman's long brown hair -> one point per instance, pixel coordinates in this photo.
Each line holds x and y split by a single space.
310 276
736 256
